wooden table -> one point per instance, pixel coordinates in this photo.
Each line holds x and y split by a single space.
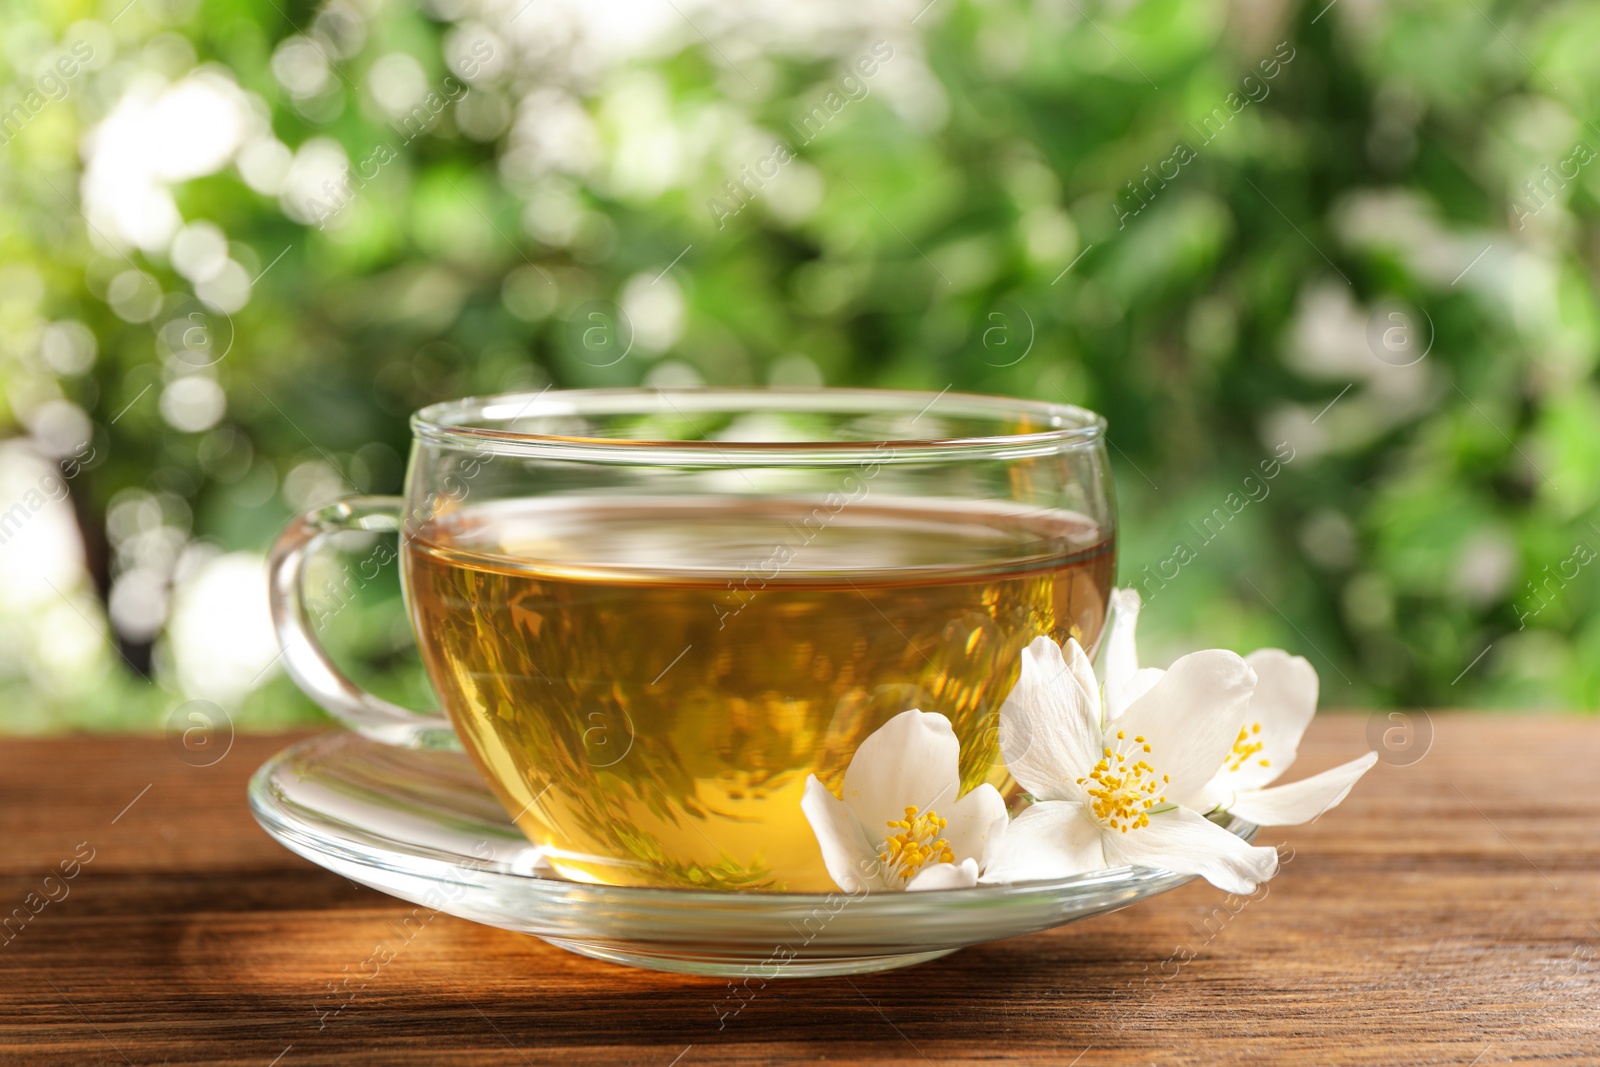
1448 913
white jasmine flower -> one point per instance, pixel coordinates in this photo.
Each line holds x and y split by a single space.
1281 708
1120 661
1109 794
901 824
1284 701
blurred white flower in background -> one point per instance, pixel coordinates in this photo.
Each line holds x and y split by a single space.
584 38
220 637
138 603
301 66
647 153
315 185
147 532
264 163
564 53
795 370
673 374
41 553
52 629
199 250
397 83
1334 339
60 428
553 213
156 135
134 296
193 403
654 307
551 134
312 483
68 347
476 53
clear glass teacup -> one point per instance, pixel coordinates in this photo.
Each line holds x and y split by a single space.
649 615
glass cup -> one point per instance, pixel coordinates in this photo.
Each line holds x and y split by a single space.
649 615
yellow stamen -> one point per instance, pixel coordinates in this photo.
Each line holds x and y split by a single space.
1244 748
1121 793
917 844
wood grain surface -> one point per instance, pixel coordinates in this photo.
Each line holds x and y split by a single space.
1447 913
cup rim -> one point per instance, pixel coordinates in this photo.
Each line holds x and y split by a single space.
456 422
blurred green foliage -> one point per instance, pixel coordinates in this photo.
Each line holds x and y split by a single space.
1361 236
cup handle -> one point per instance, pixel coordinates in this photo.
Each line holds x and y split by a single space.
304 658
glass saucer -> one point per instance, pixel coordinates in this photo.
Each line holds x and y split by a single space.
421 826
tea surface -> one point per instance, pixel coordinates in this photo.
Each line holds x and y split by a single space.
647 683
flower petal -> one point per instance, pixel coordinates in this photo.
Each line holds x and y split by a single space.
1050 839
1082 671
1302 801
850 858
1050 724
1215 795
963 875
1183 841
1284 702
913 759
1122 651
975 824
1191 718
1137 685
